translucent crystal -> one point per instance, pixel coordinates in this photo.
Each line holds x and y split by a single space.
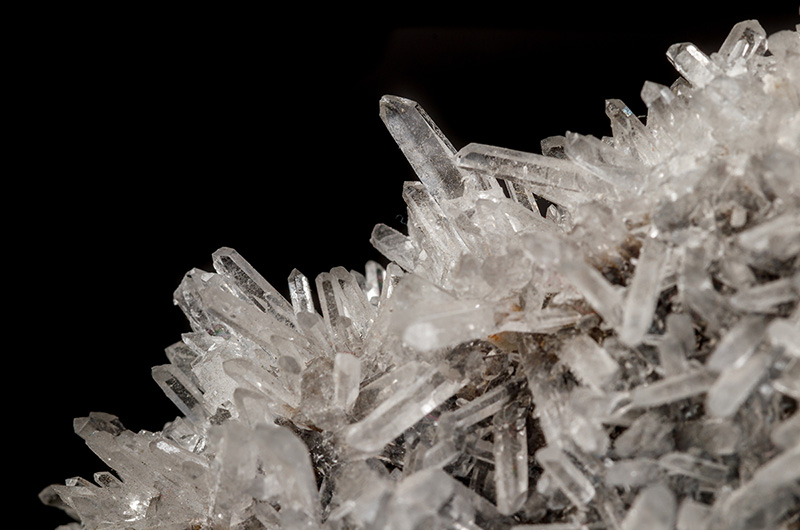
747 39
428 151
692 64
510 443
419 393
672 389
640 303
590 362
572 482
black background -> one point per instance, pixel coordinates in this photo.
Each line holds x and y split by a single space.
148 139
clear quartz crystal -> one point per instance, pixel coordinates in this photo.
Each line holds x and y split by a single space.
510 457
572 482
590 362
640 303
628 360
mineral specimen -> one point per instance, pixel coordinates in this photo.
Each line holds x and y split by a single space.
629 358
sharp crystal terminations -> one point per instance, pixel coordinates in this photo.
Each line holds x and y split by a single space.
630 360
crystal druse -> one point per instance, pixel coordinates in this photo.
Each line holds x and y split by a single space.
627 358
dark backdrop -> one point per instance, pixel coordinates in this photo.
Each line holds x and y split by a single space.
151 138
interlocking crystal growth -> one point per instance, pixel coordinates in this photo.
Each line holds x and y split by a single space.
628 360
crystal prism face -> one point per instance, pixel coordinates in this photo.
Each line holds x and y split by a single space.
628 360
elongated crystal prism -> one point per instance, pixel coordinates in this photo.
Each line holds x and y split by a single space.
428 151
572 482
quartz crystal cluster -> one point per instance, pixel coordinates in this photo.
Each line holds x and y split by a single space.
602 336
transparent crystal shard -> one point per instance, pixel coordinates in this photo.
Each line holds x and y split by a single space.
340 328
415 393
677 344
187 297
510 457
553 146
621 170
374 280
243 318
779 237
251 375
353 300
649 435
663 115
180 390
428 318
300 292
589 361
630 134
572 482
738 344
692 466
478 409
429 152
640 303
546 320
766 297
604 297
521 194
694 65
697 291
654 508
736 383
788 383
632 473
395 246
444 243
559 181
183 357
346 380
250 285
671 389
745 40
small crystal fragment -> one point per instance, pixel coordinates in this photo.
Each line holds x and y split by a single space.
572 482
738 344
346 379
701 469
510 457
300 292
640 303
692 64
428 151
590 362
672 389
735 384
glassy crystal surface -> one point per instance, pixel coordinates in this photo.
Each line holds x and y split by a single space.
629 360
